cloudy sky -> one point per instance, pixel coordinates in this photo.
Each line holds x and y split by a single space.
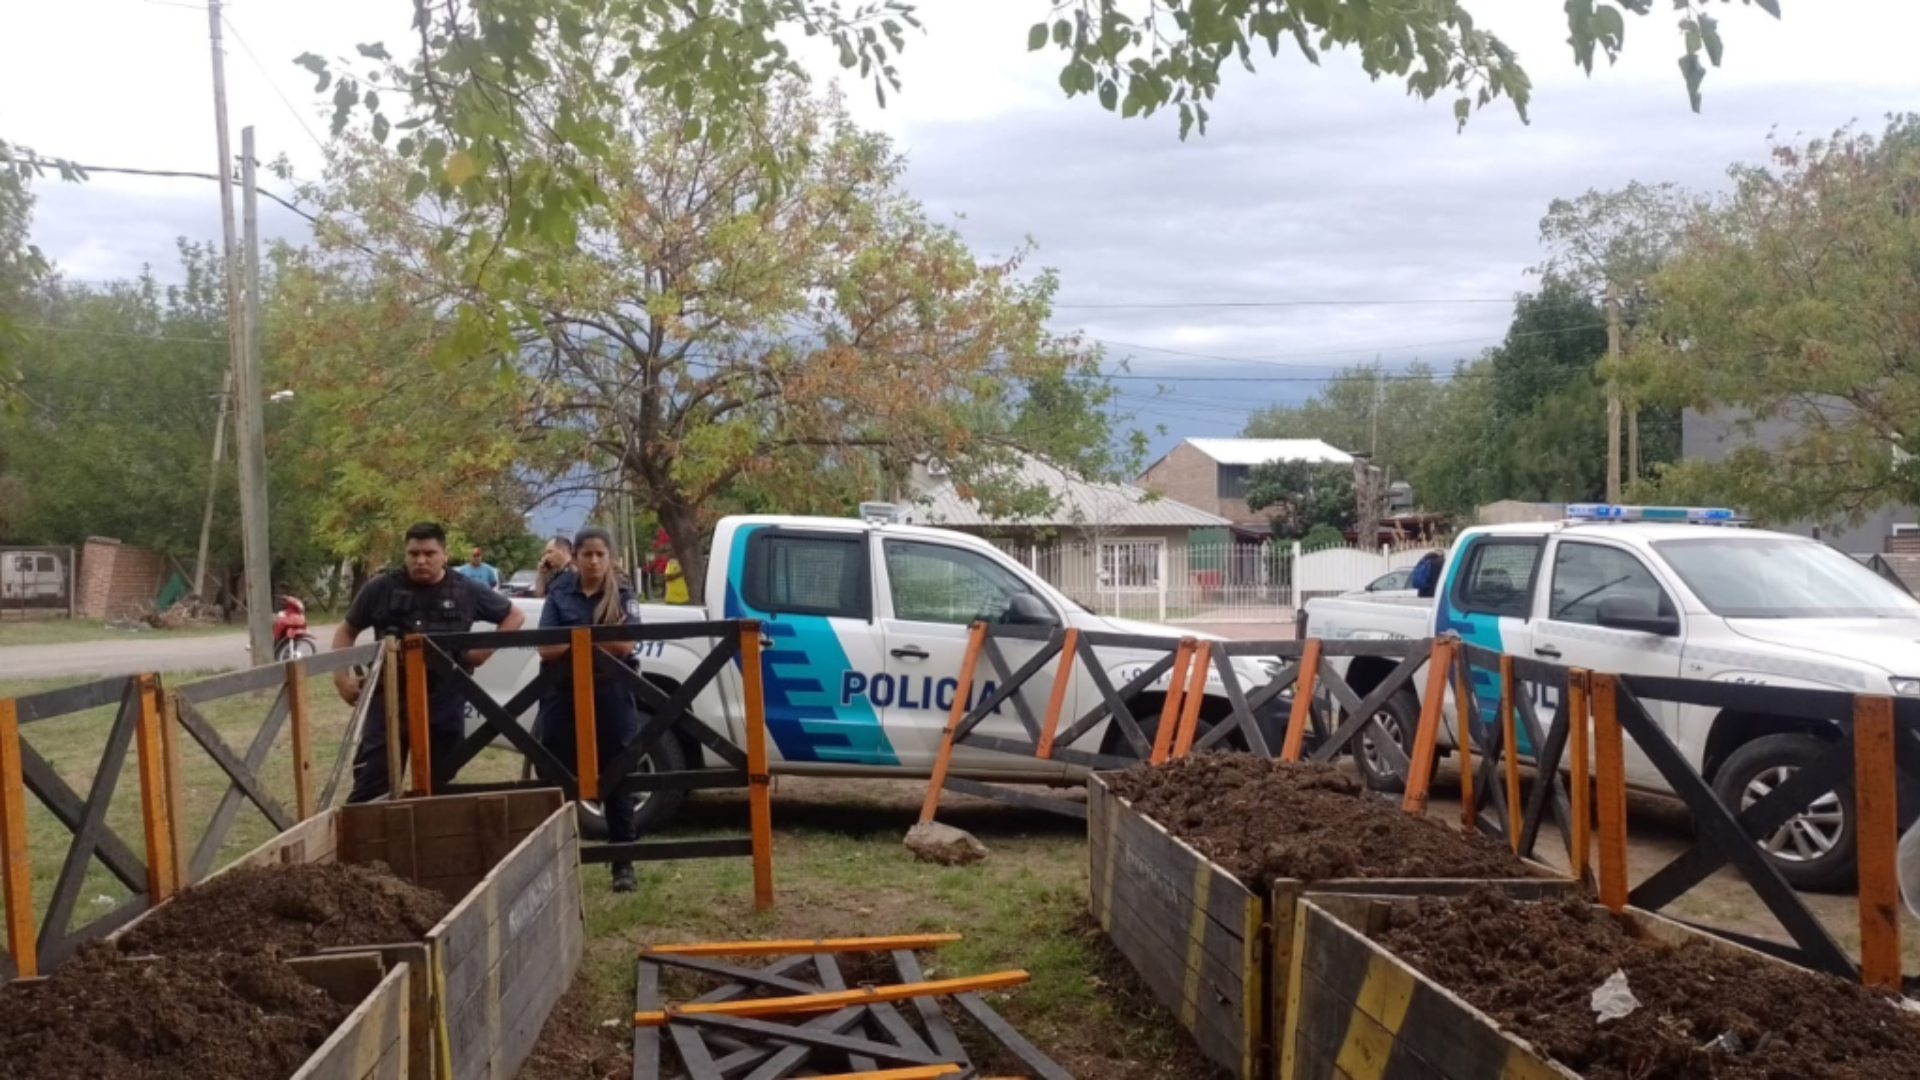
1313 185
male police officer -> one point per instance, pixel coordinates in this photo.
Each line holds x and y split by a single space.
424 598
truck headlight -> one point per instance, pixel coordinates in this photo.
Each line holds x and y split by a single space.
1905 687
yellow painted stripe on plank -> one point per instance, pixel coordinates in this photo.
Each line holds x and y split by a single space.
1289 1032
1196 944
443 1040
1379 1008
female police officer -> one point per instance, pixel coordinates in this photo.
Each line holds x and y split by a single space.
590 593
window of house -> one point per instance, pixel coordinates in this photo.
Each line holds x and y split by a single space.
1232 482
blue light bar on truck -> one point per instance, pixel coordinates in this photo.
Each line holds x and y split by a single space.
1694 515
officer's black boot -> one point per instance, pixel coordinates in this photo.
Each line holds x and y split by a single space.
623 877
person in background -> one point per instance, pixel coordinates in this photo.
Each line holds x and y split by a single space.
478 571
591 594
553 562
421 598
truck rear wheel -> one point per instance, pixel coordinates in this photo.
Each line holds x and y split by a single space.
1814 851
1398 717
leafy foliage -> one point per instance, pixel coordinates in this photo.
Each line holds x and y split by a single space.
1303 496
1369 409
710 348
1791 310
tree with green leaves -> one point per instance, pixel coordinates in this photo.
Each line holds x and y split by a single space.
504 109
1302 496
706 344
1365 409
1791 309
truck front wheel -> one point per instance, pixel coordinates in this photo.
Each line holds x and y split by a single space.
1814 851
1398 717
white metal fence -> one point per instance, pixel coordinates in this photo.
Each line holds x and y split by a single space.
1175 581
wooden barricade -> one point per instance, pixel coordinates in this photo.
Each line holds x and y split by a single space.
1174 677
664 715
143 865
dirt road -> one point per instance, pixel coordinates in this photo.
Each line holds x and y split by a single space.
130 655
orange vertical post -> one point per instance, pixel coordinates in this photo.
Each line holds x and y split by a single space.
1302 713
1196 693
976 637
586 737
1510 748
759 783
419 749
1580 844
1877 802
1062 678
1463 737
16 867
1426 737
1611 768
300 715
1170 707
176 792
396 717
154 822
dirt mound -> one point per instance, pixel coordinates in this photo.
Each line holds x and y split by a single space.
1703 1012
102 1017
291 911
1268 820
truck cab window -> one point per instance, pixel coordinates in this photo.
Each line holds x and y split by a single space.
808 574
1498 578
1586 574
938 584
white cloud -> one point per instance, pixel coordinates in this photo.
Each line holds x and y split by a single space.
1314 183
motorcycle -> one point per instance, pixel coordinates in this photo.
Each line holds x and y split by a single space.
290 638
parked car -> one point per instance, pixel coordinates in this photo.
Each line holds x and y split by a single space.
868 622
1662 591
520 584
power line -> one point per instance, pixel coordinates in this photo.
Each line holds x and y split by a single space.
1279 358
1175 304
173 174
272 83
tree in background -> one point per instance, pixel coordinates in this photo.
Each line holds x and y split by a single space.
711 344
1794 305
1302 496
1365 409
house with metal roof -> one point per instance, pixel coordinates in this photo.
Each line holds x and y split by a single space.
1211 474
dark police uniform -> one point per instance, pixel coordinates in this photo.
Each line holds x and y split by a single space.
616 717
393 604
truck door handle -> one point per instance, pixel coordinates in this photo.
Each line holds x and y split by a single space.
911 652
1547 651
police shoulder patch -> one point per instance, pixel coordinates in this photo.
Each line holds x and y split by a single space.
633 609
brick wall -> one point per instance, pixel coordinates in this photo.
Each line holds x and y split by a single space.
118 581
1189 476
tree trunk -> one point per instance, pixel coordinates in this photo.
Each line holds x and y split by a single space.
682 523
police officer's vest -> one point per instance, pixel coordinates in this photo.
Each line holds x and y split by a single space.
443 608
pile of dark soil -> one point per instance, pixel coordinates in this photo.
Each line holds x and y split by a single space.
103 1017
576 1044
1268 820
291 911
1703 1011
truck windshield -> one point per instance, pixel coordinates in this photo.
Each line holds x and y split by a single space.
1757 577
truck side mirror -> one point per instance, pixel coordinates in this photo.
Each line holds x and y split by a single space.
1633 613
1026 609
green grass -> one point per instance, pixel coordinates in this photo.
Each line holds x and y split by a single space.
840 869
61 631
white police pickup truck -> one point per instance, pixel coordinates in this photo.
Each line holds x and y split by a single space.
868 622
1667 591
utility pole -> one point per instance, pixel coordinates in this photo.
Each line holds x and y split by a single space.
251 430
1613 394
213 485
236 329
